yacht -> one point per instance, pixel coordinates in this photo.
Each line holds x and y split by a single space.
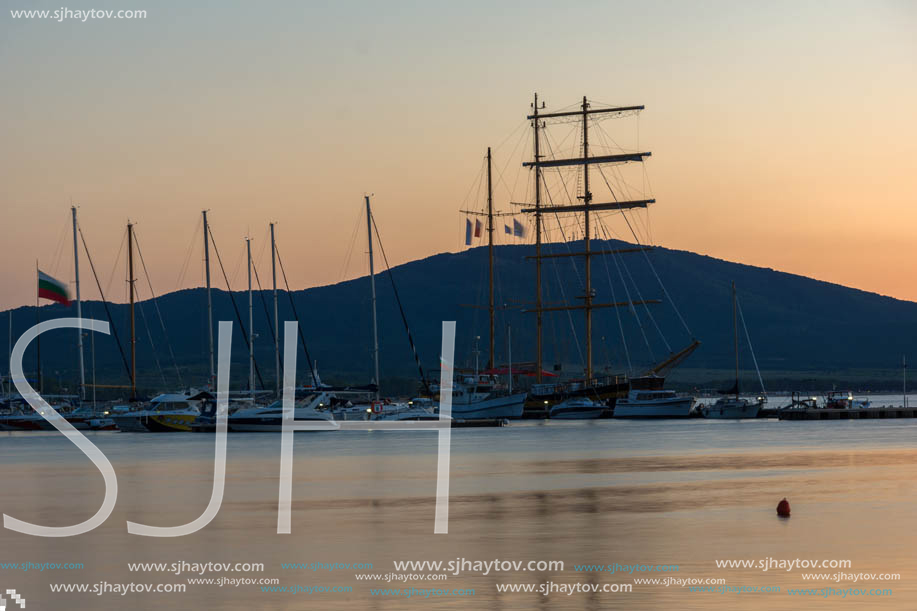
577 408
421 408
270 419
479 396
654 404
22 417
166 413
733 408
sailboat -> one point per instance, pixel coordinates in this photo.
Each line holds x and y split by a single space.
605 388
733 406
480 394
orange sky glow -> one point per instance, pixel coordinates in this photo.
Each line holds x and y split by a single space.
783 134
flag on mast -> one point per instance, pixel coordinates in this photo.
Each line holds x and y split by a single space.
52 289
507 230
518 229
477 228
467 232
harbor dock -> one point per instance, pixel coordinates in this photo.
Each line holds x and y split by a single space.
868 413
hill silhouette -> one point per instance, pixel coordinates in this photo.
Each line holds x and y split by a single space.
795 323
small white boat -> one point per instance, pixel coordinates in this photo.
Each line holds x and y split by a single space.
654 404
270 419
846 400
732 408
421 408
577 408
86 418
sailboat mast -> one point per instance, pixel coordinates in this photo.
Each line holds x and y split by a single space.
92 354
372 284
490 253
212 378
509 356
251 329
79 306
9 362
130 282
587 198
41 381
276 311
735 329
538 311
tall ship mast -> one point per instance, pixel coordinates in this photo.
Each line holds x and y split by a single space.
606 387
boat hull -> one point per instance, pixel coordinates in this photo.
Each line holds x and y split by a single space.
510 406
539 405
732 410
170 423
130 424
674 408
271 424
155 423
577 413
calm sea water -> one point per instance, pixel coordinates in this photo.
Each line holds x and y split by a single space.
683 493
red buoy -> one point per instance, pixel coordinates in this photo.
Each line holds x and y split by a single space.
783 508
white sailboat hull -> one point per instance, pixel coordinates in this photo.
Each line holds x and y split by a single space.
677 407
509 406
732 409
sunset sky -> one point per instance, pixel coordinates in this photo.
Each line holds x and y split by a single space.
784 134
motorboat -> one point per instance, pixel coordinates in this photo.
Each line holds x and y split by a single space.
165 413
577 408
269 419
654 404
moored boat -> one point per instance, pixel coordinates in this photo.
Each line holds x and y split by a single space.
270 419
577 408
654 404
481 397
166 413
733 408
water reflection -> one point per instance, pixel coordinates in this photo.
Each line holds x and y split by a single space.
632 493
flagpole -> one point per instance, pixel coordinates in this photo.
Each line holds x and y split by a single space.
79 307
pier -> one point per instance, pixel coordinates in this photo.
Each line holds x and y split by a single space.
868 413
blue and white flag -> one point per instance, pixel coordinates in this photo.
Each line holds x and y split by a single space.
518 229
507 230
467 232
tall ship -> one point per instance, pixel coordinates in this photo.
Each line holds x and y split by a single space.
568 172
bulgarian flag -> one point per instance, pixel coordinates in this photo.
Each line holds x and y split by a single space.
52 289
